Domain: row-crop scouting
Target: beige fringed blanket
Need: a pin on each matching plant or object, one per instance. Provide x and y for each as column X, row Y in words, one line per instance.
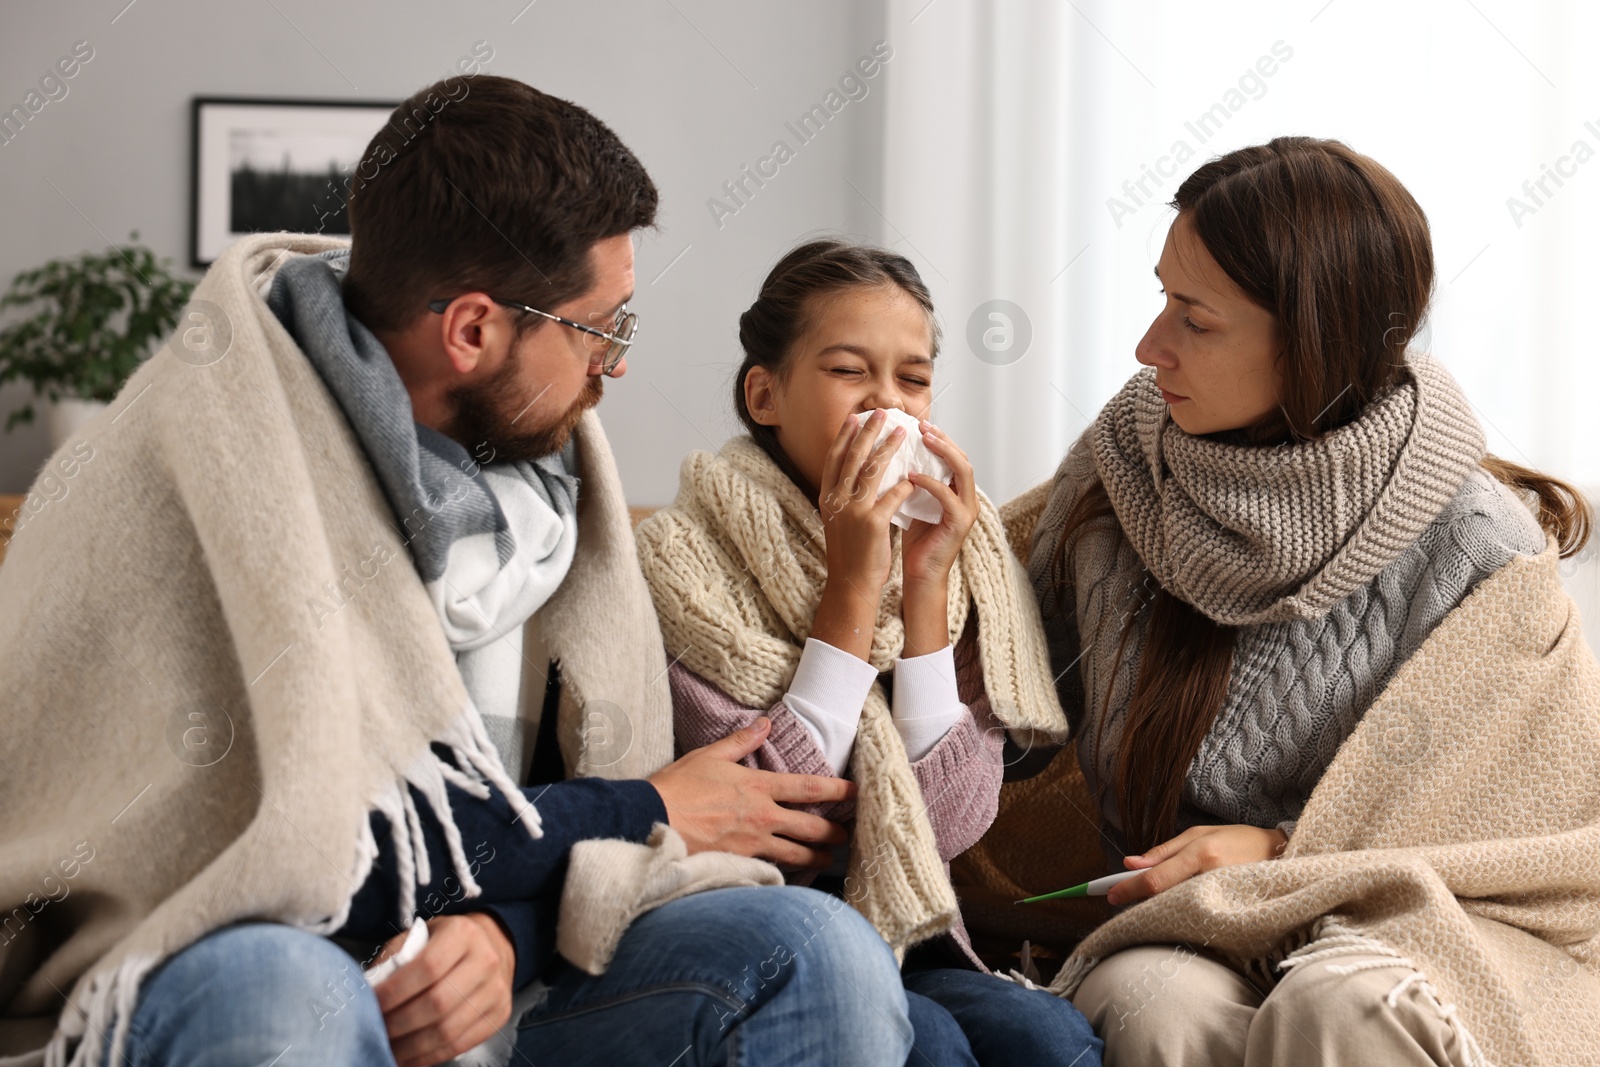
column 1459, row 826
column 186, row 739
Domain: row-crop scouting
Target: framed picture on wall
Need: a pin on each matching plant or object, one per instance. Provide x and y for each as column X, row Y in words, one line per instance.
column 262, row 165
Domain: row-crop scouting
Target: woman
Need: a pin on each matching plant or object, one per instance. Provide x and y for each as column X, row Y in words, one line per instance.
column 896, row 658
column 1234, row 562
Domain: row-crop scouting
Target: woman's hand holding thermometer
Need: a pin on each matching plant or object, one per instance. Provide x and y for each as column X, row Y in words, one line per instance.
column 1195, row 851
column 1097, row 888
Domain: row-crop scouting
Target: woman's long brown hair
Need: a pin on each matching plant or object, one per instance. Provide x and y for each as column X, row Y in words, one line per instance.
column 1335, row 247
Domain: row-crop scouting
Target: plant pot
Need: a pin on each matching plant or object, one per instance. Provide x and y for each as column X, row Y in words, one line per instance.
column 67, row 415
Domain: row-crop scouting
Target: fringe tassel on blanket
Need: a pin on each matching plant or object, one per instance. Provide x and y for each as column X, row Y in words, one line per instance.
column 470, row 745
column 111, row 997
column 1334, row 940
column 107, row 1004
column 1026, row 974
column 470, row 742
column 1071, row 975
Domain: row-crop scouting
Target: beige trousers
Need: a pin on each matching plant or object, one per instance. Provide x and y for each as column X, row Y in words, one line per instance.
column 1166, row 1005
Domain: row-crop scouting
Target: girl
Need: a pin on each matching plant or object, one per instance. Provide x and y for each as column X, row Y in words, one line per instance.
column 1234, row 561
column 900, row 659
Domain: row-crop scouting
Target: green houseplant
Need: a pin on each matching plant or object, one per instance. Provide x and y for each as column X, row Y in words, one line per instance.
column 86, row 323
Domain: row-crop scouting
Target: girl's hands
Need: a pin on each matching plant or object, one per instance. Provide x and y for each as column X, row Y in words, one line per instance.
column 1195, row 851
column 854, row 519
column 928, row 550
column 855, row 523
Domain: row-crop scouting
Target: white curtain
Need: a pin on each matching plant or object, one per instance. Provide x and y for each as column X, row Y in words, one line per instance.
column 1031, row 146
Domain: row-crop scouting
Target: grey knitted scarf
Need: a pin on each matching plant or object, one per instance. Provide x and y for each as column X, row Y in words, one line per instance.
column 1254, row 535
column 491, row 542
column 1336, row 559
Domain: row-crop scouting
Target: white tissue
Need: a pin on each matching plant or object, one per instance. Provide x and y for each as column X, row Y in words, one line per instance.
column 912, row 456
column 416, row 937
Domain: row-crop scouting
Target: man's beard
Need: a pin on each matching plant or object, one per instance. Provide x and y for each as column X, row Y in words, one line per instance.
column 491, row 418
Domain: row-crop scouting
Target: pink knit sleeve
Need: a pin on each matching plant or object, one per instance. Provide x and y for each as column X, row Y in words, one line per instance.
column 960, row 778
column 702, row 713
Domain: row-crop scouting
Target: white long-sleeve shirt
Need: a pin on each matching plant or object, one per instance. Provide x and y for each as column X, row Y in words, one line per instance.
column 830, row 685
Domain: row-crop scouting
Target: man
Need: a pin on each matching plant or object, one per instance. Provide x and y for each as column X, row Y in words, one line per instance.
column 341, row 624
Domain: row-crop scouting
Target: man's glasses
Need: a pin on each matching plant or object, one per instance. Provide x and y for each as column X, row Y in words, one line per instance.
column 617, row 339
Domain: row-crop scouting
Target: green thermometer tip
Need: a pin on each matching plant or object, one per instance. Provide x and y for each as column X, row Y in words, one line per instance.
column 1059, row 894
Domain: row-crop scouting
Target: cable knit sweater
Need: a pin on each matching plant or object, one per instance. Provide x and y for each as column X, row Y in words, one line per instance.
column 1300, row 684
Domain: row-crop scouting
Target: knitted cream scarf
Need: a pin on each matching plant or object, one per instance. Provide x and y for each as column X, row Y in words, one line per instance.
column 737, row 567
column 1252, row 535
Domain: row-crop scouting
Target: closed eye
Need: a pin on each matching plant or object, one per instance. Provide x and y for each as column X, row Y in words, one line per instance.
column 1188, row 323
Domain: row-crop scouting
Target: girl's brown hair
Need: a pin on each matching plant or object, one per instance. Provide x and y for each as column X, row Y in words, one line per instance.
column 1335, row 247
column 787, row 301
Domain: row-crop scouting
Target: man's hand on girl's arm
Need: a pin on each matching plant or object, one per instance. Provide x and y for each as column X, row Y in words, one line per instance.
column 718, row 804
column 1195, row 851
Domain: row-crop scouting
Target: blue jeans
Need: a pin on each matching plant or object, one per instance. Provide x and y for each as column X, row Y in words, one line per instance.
column 256, row 993
column 744, row 977
column 775, row 975
column 965, row 1018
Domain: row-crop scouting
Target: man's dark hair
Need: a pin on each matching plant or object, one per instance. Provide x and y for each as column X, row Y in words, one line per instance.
column 485, row 184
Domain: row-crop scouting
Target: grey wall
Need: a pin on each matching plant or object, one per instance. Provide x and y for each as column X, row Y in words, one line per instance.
column 697, row 88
